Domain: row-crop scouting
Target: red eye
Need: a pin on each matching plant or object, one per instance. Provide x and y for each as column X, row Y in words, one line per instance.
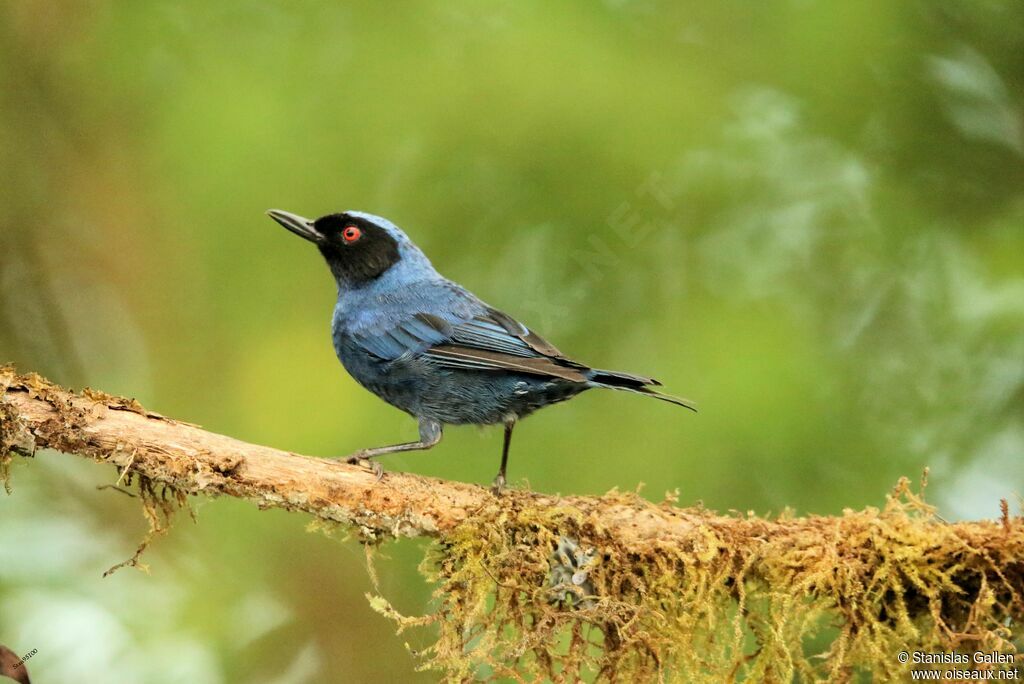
column 351, row 234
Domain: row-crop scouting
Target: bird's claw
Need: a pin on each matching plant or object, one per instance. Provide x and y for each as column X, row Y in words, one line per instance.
column 374, row 466
column 498, row 485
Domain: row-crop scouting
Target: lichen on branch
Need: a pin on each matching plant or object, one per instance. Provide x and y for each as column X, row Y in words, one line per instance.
column 532, row 586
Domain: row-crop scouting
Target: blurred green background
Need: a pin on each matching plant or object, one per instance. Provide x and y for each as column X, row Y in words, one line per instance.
column 806, row 216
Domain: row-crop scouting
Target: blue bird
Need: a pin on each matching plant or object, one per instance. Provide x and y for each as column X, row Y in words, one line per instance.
column 431, row 348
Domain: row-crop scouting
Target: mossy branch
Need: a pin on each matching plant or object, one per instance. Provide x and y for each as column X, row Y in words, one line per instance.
column 540, row 586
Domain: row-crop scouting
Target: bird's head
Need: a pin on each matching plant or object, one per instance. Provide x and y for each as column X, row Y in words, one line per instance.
column 358, row 247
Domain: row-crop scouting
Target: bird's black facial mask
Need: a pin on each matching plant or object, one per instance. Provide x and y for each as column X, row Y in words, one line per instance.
column 357, row 250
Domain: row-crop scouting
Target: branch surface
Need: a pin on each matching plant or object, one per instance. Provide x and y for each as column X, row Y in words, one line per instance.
column 35, row 413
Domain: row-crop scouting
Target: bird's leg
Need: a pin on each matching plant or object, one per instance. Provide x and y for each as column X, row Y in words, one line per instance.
column 430, row 434
column 499, row 480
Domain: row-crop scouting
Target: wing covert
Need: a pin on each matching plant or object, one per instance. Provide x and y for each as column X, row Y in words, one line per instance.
column 489, row 341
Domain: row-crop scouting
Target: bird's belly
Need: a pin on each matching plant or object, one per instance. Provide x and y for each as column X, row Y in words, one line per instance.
column 394, row 385
column 489, row 397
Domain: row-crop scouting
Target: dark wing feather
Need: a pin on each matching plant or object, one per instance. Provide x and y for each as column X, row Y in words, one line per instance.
column 471, row 358
column 410, row 337
column 490, row 341
column 534, row 341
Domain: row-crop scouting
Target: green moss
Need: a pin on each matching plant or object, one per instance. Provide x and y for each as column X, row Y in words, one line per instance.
column 806, row 598
column 159, row 504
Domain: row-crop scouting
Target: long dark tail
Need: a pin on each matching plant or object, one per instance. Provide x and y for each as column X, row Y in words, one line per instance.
column 635, row 383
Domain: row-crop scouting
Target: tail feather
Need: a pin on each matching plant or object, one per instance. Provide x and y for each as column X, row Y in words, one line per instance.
column 637, row 384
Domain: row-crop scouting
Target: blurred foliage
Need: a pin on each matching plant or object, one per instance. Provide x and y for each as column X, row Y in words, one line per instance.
column 808, row 217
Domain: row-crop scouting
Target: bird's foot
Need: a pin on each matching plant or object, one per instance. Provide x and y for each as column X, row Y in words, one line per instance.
column 374, row 466
column 498, row 485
